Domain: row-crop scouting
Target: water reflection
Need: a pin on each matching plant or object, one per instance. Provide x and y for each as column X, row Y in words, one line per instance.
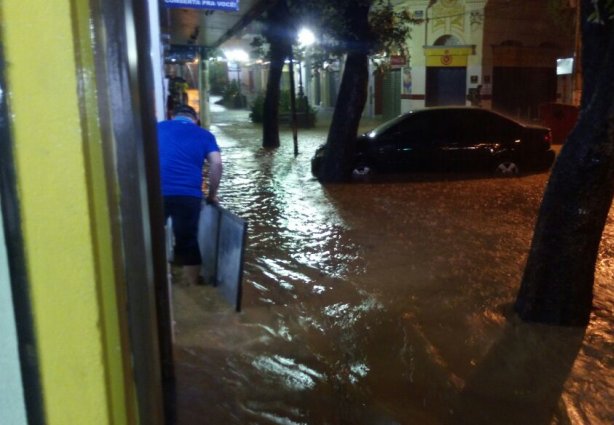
column 382, row 303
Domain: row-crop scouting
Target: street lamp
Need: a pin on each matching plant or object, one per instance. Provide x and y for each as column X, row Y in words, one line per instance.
column 305, row 39
column 237, row 56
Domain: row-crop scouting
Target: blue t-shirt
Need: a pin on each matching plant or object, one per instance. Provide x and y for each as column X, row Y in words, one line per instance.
column 183, row 147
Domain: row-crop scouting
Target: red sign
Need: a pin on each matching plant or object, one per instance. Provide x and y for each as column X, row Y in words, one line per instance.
column 398, row 60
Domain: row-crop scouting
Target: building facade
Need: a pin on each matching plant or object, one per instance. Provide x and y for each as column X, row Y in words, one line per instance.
column 499, row 54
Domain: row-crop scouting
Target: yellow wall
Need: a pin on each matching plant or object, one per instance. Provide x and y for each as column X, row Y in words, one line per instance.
column 447, row 56
column 65, row 223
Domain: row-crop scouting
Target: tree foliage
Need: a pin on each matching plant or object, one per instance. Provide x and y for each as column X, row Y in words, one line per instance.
column 603, row 10
column 388, row 30
column 392, row 28
column 386, row 34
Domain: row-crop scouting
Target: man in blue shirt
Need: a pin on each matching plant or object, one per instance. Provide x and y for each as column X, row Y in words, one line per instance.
column 183, row 148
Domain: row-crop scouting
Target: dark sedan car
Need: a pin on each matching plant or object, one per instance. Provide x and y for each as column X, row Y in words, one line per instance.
column 451, row 139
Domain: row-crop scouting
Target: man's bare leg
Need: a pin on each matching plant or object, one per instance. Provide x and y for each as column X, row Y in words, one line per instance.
column 191, row 273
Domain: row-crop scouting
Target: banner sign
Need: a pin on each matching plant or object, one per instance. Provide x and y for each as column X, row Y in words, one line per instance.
column 228, row 5
column 397, row 61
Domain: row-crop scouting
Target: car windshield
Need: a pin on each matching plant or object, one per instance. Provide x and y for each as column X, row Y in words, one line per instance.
column 385, row 126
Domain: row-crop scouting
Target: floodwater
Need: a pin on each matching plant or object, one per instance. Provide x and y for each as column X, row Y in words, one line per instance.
column 382, row 303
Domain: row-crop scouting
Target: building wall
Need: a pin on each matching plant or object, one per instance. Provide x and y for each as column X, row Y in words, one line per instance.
column 64, row 222
column 523, row 40
column 526, row 21
column 482, row 25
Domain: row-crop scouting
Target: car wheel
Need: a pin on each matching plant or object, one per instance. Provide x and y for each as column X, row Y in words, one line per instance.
column 362, row 171
column 507, row 168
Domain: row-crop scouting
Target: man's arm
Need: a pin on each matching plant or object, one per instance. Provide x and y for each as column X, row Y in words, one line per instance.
column 215, row 174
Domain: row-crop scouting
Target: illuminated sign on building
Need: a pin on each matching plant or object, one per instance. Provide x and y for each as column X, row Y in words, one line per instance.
column 564, row 66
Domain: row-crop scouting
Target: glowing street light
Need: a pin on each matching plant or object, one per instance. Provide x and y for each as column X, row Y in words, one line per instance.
column 306, row 37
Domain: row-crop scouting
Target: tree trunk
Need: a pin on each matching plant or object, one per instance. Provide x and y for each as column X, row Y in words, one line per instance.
column 270, row 112
column 341, row 142
column 279, row 37
column 557, row 286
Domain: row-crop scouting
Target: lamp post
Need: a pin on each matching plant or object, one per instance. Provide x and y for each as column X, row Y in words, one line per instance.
column 305, row 39
column 300, row 78
column 236, row 57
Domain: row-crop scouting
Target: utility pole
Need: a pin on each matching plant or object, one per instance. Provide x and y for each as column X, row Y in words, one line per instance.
column 293, row 104
column 577, row 60
column 203, row 88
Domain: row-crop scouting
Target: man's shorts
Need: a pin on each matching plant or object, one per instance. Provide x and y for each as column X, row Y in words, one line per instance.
column 185, row 213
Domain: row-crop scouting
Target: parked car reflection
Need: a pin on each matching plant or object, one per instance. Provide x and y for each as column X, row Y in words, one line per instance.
column 454, row 138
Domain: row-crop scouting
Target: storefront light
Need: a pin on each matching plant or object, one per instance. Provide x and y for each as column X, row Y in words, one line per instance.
column 236, row 55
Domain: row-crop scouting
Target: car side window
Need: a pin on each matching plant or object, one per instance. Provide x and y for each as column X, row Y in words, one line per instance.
column 468, row 126
column 412, row 130
column 491, row 127
column 440, row 127
column 451, row 128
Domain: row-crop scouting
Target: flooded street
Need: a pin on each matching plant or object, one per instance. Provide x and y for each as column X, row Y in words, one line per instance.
column 382, row 303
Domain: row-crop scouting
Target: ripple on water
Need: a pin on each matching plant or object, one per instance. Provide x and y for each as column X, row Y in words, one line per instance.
column 288, row 372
